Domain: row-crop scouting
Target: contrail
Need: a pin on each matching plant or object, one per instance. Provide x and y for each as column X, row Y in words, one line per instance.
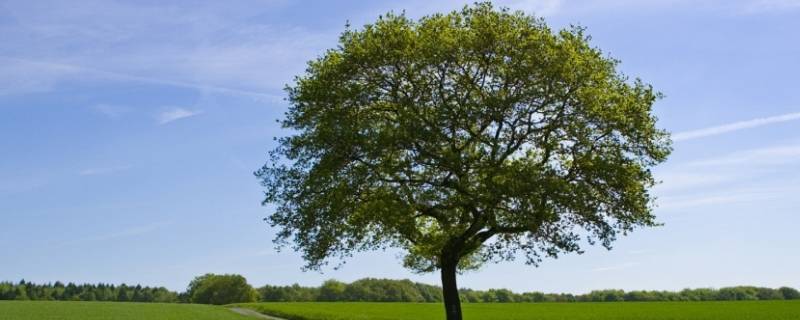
column 129, row 77
column 736, row 126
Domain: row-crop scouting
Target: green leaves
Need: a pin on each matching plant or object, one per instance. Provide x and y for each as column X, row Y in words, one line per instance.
column 221, row 289
column 477, row 134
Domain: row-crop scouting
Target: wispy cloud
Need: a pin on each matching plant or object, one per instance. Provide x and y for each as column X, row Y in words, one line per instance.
column 19, row 76
column 206, row 46
column 103, row 171
column 756, row 157
column 111, row 111
column 721, row 200
column 736, row 126
column 672, row 203
column 175, row 114
column 689, row 178
column 132, row 231
column 42, row 75
column 760, row 6
column 759, row 175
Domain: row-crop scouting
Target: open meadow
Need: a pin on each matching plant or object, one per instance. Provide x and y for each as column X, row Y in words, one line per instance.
column 723, row 310
column 78, row 310
column 727, row 310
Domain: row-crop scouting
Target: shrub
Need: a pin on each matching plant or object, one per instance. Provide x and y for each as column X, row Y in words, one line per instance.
column 221, row 289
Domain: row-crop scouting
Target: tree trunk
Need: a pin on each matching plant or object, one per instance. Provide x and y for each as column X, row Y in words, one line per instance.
column 452, row 303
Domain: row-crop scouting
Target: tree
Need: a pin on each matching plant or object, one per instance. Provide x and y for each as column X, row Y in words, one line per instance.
column 331, row 290
column 462, row 138
column 137, row 294
column 769, row 294
column 20, row 293
column 122, row 293
column 504, row 295
column 789, row 293
column 221, row 289
column 6, row 291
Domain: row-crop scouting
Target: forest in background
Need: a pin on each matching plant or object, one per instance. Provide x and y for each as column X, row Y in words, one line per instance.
column 378, row 290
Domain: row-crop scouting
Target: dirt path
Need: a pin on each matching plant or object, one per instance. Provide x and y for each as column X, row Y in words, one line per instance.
column 252, row 313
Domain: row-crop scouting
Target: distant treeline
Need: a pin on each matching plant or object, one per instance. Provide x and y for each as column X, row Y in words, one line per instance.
column 84, row 292
column 383, row 290
column 380, row 290
column 377, row 290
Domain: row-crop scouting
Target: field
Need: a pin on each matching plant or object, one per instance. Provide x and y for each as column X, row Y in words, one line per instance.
column 755, row 310
column 60, row 310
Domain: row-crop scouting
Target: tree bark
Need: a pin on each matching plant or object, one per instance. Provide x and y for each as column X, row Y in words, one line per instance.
column 452, row 302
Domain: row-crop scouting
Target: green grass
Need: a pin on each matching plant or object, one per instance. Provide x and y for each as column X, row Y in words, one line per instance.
column 741, row 310
column 68, row 310
column 747, row 310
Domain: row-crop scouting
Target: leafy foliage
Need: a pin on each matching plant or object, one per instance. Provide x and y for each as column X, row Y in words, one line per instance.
column 387, row 290
column 25, row 290
column 221, row 289
column 381, row 290
column 464, row 137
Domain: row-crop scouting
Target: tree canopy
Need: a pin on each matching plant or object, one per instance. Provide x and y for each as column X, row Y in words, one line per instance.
column 221, row 289
column 381, row 290
column 26, row 290
column 473, row 136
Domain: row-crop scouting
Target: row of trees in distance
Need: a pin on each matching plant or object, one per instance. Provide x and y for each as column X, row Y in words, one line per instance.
column 384, row 290
column 24, row 290
column 225, row 289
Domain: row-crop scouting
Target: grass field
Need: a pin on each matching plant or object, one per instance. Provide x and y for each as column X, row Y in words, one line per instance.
column 755, row 310
column 744, row 310
column 61, row 310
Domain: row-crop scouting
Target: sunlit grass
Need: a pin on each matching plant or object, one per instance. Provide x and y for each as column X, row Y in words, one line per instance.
column 723, row 310
column 69, row 310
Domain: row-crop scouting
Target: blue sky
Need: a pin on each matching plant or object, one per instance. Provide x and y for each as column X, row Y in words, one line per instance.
column 129, row 132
